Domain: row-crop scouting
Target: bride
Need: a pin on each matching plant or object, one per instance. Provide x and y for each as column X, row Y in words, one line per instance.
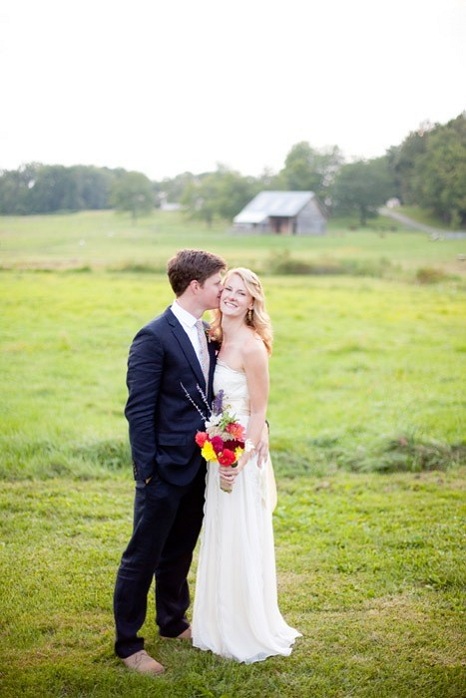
column 236, row 612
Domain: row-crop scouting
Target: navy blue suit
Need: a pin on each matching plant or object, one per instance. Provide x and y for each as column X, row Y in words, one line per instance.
column 170, row 479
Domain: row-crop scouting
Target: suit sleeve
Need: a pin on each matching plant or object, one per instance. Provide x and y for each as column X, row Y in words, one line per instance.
column 145, row 364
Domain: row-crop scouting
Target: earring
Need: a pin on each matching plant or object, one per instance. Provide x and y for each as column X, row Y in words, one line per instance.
column 250, row 312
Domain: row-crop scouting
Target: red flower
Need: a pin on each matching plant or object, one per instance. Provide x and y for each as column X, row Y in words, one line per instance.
column 226, row 457
column 231, row 444
column 217, row 443
column 200, row 438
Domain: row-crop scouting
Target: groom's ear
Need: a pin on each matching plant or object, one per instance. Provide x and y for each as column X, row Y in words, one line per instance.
column 194, row 285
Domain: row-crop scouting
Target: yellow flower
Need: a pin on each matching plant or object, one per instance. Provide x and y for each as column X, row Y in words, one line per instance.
column 238, row 452
column 208, row 451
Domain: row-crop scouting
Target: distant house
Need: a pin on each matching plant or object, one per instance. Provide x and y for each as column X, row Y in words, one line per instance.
column 283, row 212
column 166, row 205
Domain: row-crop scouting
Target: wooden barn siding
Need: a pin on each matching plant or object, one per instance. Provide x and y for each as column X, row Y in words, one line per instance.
column 310, row 220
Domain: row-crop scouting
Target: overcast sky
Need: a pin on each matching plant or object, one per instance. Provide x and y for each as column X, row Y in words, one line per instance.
column 167, row 86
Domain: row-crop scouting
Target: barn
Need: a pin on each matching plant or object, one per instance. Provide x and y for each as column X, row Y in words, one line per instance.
column 283, row 213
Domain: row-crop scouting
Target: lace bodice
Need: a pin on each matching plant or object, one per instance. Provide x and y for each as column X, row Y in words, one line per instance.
column 235, row 387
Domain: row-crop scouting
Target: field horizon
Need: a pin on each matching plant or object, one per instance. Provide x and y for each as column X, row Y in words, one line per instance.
column 105, row 240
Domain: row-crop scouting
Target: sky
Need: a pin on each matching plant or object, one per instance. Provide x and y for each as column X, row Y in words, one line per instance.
column 169, row 86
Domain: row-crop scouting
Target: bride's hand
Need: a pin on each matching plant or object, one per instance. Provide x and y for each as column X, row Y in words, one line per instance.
column 230, row 473
column 262, row 448
column 240, row 465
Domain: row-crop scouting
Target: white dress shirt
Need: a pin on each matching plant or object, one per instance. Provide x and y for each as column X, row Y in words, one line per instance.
column 188, row 323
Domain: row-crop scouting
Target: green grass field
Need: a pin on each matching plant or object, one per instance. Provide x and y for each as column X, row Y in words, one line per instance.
column 367, row 416
column 369, row 569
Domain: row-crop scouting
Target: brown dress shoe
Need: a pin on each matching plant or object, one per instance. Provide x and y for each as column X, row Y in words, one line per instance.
column 185, row 635
column 143, row 663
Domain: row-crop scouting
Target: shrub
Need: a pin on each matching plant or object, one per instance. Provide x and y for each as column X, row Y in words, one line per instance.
column 283, row 264
column 430, row 275
column 406, row 453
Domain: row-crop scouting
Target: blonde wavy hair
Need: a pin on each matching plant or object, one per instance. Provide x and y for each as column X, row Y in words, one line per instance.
column 257, row 318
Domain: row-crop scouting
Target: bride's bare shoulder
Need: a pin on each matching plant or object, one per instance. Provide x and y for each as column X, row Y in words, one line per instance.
column 253, row 345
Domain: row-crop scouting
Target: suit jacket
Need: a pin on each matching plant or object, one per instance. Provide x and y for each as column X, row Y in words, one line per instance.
column 163, row 422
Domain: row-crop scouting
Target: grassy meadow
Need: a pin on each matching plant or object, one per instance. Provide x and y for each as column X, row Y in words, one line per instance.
column 367, row 414
column 93, row 240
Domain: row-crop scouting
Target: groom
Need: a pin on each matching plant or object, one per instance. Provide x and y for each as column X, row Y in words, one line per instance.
column 166, row 358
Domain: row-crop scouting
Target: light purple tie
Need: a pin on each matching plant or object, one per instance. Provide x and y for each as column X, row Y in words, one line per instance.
column 203, row 350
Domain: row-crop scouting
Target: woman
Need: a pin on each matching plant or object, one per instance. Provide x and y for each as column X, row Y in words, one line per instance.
column 236, row 612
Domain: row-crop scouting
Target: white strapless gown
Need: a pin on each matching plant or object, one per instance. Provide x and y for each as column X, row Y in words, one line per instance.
column 236, row 612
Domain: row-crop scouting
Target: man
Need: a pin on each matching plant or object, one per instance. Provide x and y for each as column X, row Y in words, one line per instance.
column 165, row 376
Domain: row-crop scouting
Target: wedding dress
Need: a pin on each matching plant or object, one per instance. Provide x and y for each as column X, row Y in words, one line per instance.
column 235, row 613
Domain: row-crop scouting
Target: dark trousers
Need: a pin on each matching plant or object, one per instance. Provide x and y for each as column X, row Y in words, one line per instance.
column 167, row 522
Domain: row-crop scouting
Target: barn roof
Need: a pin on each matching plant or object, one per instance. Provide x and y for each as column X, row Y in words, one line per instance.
column 273, row 203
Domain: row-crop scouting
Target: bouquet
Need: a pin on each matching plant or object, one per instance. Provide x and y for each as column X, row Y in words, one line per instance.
column 224, row 437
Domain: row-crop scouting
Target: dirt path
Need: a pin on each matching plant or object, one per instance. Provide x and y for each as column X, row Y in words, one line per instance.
column 410, row 223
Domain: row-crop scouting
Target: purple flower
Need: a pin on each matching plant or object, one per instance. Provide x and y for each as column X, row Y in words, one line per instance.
column 217, row 403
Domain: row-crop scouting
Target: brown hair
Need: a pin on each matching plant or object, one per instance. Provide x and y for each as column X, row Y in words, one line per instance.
column 257, row 318
column 188, row 265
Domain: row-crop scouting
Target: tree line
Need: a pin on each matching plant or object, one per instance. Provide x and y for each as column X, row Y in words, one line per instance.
column 427, row 169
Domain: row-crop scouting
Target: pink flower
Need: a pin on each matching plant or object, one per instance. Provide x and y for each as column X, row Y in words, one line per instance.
column 200, row 438
column 236, row 430
column 217, row 443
